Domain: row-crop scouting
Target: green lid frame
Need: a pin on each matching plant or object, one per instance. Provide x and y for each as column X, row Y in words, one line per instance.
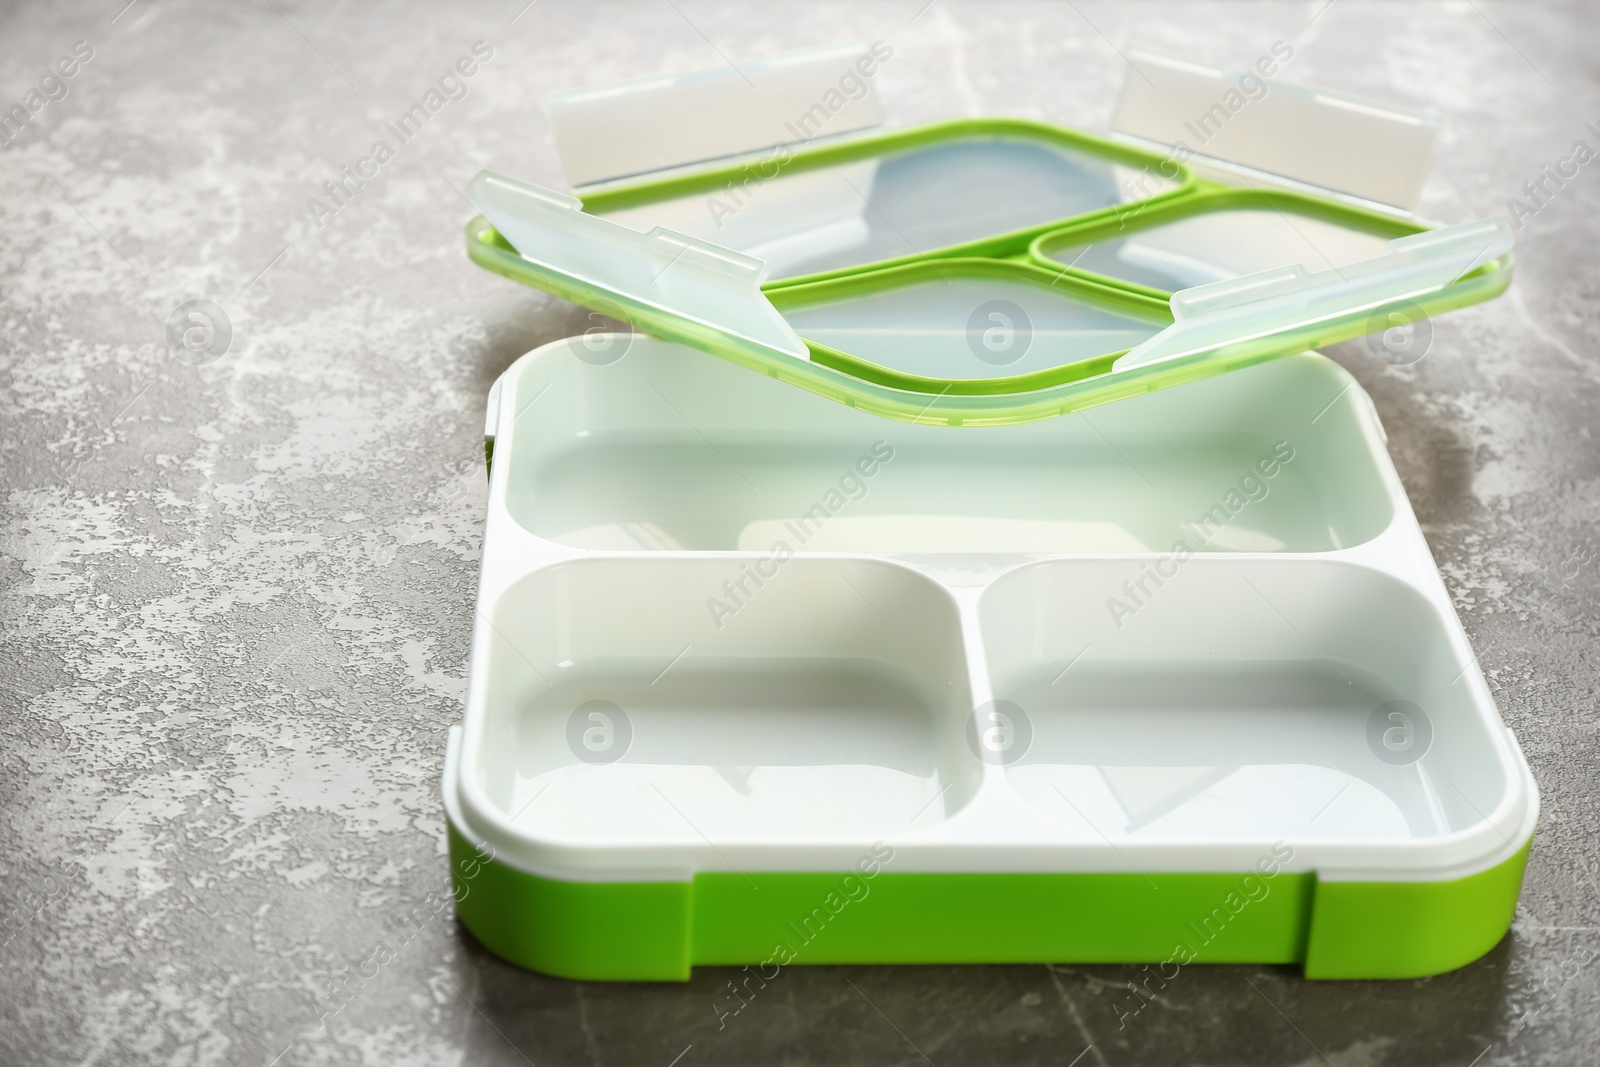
column 1223, row 329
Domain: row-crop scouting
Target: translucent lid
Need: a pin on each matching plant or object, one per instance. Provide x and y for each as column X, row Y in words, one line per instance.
column 1216, row 243
column 766, row 158
column 973, row 327
column 667, row 283
column 604, row 133
column 1257, row 308
column 1249, row 121
column 903, row 201
column 946, row 324
column 933, row 325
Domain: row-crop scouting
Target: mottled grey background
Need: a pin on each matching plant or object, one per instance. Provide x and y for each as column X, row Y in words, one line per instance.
column 235, row 599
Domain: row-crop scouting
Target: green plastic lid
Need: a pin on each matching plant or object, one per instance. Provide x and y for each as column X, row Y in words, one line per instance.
column 963, row 339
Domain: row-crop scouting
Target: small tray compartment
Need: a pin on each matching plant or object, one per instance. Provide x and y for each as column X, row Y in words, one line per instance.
column 1219, row 234
column 667, row 450
column 1209, row 700
column 750, row 699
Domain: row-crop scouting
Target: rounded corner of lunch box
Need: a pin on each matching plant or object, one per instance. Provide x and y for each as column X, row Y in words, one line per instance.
column 582, row 931
column 1411, row 929
column 579, row 929
column 1432, row 919
column 480, row 834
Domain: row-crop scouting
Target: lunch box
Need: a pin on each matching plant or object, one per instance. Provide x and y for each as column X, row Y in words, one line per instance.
column 969, row 560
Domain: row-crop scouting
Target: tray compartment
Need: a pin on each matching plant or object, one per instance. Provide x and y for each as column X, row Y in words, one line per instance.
column 667, row 449
column 1221, row 235
column 1235, row 702
column 829, row 704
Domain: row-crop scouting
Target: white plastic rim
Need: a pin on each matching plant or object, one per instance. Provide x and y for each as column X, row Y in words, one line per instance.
column 845, row 690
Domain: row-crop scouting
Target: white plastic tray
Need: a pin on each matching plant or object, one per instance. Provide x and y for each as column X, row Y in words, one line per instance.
column 781, row 709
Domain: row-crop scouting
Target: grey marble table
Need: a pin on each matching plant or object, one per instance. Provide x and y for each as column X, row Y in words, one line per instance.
column 235, row 598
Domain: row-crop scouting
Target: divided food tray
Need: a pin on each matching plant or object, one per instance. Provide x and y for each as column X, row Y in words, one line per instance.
column 1071, row 690
column 887, row 636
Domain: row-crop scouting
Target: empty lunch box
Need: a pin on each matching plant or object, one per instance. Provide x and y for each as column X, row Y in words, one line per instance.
column 912, row 646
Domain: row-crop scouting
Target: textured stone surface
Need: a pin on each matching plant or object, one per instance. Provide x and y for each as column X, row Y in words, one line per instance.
column 235, row 599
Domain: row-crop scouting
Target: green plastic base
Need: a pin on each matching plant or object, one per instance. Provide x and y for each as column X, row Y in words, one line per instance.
column 657, row 931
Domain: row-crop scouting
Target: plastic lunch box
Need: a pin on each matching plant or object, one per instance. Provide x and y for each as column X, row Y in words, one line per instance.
column 895, row 651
